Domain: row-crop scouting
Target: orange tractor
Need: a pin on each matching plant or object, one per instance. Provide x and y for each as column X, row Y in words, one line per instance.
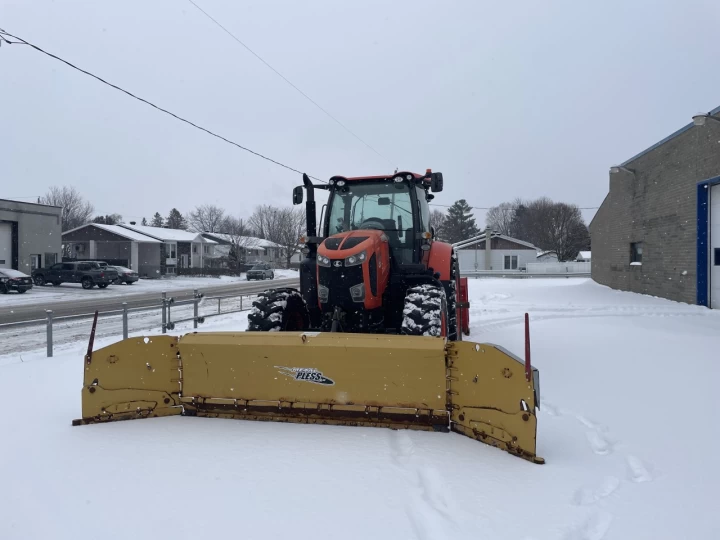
column 376, row 266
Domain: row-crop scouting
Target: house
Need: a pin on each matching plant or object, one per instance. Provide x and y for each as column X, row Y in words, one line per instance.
column 115, row 245
column 501, row 252
column 583, row 256
column 546, row 256
column 178, row 248
column 30, row 235
column 254, row 249
column 150, row 251
column 658, row 230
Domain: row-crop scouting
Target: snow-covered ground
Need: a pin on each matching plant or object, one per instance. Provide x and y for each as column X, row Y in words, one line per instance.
column 626, row 380
column 71, row 291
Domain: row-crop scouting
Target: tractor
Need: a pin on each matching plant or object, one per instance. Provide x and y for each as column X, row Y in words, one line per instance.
column 376, row 266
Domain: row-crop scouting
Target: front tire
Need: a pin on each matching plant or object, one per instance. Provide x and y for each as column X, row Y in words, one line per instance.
column 102, row 285
column 3, row 289
column 87, row 283
column 425, row 312
column 279, row 310
column 39, row 280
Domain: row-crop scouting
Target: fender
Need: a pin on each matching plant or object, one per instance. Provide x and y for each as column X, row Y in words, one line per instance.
column 440, row 259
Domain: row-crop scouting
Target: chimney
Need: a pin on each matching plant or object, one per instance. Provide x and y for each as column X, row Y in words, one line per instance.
column 488, row 248
column 132, row 223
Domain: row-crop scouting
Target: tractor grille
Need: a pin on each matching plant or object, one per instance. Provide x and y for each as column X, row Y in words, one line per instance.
column 339, row 280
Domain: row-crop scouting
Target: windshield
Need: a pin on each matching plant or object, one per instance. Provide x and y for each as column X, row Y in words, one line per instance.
column 258, row 267
column 377, row 205
column 7, row 272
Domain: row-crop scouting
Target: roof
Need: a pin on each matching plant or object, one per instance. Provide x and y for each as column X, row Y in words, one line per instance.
column 32, row 203
column 250, row 242
column 381, row 177
column 120, row 231
column 585, row 254
column 680, row 131
column 543, row 253
column 481, row 238
column 167, row 235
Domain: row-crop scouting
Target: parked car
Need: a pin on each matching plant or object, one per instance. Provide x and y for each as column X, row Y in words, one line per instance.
column 125, row 275
column 13, row 280
column 88, row 274
column 261, row 271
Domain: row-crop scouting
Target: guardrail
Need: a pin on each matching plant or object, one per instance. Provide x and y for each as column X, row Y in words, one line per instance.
column 165, row 305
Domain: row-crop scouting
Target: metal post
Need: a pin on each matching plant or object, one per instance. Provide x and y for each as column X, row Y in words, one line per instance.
column 241, row 302
column 218, row 306
column 49, row 333
column 528, row 365
column 164, row 314
column 125, row 320
column 195, row 308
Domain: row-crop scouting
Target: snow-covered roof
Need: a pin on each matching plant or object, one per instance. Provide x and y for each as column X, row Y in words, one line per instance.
column 543, row 253
column 167, row 235
column 120, row 231
column 481, row 238
column 585, row 254
column 250, row 242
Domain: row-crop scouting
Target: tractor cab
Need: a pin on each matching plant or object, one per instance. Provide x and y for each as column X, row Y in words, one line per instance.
column 397, row 206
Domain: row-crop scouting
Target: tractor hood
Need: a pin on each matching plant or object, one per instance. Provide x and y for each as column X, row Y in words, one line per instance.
column 341, row 245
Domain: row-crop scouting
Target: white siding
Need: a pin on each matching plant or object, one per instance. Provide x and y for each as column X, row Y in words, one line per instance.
column 472, row 260
column 5, row 245
column 714, row 244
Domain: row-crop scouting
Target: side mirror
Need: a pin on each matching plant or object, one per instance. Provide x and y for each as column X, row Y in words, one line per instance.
column 432, row 231
column 436, row 182
column 298, row 195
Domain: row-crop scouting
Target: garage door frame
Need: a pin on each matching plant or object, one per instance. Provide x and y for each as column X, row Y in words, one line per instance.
column 703, row 240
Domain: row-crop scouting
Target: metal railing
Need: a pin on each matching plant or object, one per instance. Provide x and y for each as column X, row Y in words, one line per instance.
column 165, row 306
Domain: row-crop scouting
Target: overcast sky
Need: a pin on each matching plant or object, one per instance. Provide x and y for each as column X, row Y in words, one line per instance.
column 507, row 99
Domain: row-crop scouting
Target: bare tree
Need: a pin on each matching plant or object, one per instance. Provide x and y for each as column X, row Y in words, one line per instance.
column 76, row 210
column 557, row 227
column 240, row 237
column 283, row 226
column 500, row 218
column 437, row 220
column 112, row 219
column 206, row 218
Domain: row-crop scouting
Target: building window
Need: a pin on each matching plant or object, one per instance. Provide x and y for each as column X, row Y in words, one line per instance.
column 636, row 252
column 717, row 256
column 171, row 248
column 206, row 249
column 511, row 262
column 194, row 248
column 170, row 270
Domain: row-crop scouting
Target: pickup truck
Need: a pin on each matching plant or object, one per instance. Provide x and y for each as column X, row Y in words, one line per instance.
column 88, row 274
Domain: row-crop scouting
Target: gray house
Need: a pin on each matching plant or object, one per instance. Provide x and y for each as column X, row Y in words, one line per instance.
column 30, row 235
column 658, row 230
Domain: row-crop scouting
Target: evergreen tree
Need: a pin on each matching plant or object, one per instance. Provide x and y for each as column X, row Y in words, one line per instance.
column 144, row 222
column 175, row 220
column 459, row 223
column 157, row 220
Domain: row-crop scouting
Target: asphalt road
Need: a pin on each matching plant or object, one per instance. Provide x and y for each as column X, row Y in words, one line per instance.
column 29, row 312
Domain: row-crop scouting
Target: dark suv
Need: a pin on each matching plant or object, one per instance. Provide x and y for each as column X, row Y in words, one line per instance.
column 87, row 273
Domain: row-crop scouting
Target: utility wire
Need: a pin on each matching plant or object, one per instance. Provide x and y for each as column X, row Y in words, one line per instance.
column 338, row 122
column 489, row 207
column 24, row 42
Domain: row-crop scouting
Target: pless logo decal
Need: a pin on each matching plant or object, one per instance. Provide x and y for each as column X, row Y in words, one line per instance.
column 338, row 263
column 310, row 375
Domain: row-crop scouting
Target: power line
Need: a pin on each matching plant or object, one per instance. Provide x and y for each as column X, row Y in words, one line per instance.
column 24, row 42
column 338, row 122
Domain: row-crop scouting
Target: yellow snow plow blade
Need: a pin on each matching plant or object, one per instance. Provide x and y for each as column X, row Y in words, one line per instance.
column 390, row 381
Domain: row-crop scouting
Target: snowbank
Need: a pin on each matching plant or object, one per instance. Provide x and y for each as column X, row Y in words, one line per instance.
column 625, row 379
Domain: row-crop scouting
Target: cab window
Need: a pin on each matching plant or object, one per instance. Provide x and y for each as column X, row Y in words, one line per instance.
column 380, row 205
column 424, row 209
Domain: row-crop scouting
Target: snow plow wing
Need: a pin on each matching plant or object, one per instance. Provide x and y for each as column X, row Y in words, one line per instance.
column 390, row 381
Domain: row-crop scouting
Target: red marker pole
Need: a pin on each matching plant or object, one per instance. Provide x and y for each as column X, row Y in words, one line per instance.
column 528, row 367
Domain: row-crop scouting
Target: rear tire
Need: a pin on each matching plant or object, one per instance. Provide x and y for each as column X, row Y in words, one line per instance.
column 454, row 331
column 102, row 285
column 56, row 283
column 22, row 291
column 425, row 312
column 39, row 280
column 3, row 289
column 279, row 310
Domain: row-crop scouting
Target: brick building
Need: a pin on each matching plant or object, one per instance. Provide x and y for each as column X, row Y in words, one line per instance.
column 658, row 230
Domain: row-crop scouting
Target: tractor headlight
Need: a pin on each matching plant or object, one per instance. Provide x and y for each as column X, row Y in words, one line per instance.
column 357, row 292
column 323, row 261
column 354, row 260
column 323, row 293
column 340, row 183
column 398, row 179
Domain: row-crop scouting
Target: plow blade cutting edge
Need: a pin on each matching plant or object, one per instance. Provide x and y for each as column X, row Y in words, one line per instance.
column 400, row 382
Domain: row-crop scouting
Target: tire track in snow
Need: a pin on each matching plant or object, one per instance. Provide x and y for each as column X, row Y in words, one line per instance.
column 429, row 507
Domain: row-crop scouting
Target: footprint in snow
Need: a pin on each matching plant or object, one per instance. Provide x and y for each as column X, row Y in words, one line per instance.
column 593, row 528
column 402, row 446
column 638, row 470
column 599, row 444
column 585, row 496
